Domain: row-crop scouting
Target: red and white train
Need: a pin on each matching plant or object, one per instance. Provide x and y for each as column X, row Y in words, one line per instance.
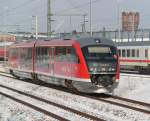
column 135, row 56
column 87, row 65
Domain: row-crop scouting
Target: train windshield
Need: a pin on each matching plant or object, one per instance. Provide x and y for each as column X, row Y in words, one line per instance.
column 103, row 53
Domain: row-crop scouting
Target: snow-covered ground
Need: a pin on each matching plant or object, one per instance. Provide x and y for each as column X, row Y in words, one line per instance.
column 133, row 87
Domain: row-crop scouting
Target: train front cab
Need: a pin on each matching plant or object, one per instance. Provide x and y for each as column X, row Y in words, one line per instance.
column 103, row 68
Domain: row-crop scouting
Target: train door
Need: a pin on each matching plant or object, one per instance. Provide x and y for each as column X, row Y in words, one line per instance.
column 51, row 63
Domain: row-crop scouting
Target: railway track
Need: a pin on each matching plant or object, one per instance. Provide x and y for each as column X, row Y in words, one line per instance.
column 124, row 102
column 114, row 100
column 40, row 109
column 34, row 107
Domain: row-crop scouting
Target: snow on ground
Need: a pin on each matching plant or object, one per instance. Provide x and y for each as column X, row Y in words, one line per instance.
column 9, row 110
column 12, row 111
column 133, row 86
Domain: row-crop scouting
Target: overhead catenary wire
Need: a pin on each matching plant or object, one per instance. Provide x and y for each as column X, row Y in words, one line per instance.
column 77, row 6
column 17, row 7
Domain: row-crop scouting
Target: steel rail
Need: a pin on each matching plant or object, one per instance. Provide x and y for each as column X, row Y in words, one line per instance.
column 35, row 107
column 119, row 104
column 104, row 100
column 88, row 116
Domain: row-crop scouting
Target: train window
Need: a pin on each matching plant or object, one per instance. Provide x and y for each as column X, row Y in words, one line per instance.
column 42, row 56
column 119, row 52
column 13, row 52
column 146, row 53
column 128, row 53
column 99, row 50
column 123, row 53
column 133, row 53
column 137, row 54
column 74, row 57
column 23, row 53
column 60, row 54
column 64, row 54
column 38, row 53
column 29, row 53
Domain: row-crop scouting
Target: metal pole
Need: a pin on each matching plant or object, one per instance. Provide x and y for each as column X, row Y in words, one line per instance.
column 49, row 19
column 70, row 25
column 36, row 26
column 32, row 26
column 84, row 29
column 133, row 26
column 91, row 18
column 5, row 53
column 119, row 31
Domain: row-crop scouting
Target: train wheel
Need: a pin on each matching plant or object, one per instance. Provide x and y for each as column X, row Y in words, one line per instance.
column 12, row 73
column 34, row 76
column 69, row 85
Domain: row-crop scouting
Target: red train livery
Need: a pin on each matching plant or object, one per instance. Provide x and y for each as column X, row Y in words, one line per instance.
column 87, row 65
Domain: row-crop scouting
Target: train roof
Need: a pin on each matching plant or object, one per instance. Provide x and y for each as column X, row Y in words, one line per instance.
column 67, row 42
column 95, row 40
column 134, row 43
column 23, row 44
column 55, row 43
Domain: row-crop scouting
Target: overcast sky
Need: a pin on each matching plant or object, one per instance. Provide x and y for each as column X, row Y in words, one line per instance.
column 104, row 13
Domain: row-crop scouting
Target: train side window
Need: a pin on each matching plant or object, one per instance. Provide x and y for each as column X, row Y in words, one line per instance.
column 29, row 53
column 23, row 53
column 44, row 56
column 146, row 53
column 61, row 54
column 133, row 53
column 119, row 52
column 13, row 52
column 74, row 56
column 38, row 56
column 128, row 53
column 68, row 54
column 137, row 54
column 123, row 53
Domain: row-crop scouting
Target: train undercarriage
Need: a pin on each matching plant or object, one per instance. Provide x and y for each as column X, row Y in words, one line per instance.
column 97, row 84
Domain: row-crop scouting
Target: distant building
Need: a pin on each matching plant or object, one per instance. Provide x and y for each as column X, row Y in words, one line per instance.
column 130, row 21
column 8, row 38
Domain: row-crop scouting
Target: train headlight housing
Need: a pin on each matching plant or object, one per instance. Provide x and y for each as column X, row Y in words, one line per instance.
column 91, row 69
column 111, row 69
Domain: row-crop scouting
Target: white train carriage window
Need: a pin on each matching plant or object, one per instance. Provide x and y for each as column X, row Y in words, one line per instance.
column 133, row 53
column 119, row 52
column 128, row 53
column 123, row 53
column 146, row 53
column 137, row 53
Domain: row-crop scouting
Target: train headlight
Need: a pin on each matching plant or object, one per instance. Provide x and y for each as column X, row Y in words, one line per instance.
column 103, row 69
column 91, row 69
column 111, row 69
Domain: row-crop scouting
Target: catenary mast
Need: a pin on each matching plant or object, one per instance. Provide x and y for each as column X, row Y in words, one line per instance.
column 49, row 15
